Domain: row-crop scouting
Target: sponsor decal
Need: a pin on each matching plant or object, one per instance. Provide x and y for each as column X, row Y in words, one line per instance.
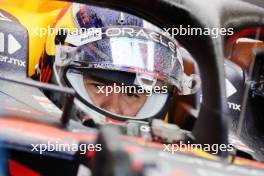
column 12, row 46
column 234, row 106
column 230, row 91
column 81, row 37
column 230, row 88
column 12, row 61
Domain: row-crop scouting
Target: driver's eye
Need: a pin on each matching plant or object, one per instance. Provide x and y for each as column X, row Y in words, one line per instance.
column 96, row 85
column 132, row 95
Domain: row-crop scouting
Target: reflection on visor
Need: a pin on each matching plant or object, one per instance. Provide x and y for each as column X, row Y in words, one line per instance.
column 132, row 50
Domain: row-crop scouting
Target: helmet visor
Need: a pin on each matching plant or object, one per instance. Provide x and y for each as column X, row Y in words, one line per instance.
column 129, row 49
column 153, row 59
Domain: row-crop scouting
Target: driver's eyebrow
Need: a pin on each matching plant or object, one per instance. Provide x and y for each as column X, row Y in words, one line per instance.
column 100, row 80
column 97, row 79
column 104, row 81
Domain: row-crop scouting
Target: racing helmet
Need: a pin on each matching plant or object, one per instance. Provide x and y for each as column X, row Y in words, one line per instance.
column 115, row 49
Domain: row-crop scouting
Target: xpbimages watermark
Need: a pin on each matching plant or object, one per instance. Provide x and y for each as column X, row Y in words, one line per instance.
column 191, row 31
column 179, row 31
column 124, row 89
column 183, row 147
column 65, row 147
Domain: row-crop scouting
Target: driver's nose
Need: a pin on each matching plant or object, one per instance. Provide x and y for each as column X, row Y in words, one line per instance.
column 111, row 103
